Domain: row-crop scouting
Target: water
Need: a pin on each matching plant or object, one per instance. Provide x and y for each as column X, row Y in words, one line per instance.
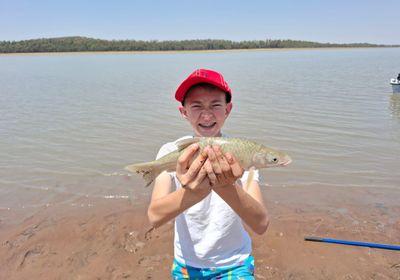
column 70, row 123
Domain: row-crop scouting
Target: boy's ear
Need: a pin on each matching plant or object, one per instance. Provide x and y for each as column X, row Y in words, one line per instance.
column 183, row 112
column 228, row 108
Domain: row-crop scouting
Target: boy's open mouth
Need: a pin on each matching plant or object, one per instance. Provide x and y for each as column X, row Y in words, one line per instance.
column 207, row 126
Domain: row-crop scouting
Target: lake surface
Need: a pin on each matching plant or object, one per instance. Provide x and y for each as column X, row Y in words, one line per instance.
column 70, row 123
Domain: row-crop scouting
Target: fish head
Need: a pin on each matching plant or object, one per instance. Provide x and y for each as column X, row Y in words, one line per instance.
column 270, row 158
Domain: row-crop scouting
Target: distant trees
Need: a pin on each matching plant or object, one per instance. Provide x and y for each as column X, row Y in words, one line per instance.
column 83, row 44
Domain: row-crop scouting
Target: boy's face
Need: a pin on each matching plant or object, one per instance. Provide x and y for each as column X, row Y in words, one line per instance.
column 206, row 110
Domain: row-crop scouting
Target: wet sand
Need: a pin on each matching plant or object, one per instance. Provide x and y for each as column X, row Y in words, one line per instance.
column 111, row 239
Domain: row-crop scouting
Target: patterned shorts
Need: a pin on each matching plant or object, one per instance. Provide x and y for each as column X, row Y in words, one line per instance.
column 244, row 271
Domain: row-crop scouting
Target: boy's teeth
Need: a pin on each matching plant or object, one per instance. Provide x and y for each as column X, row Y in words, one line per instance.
column 207, row 125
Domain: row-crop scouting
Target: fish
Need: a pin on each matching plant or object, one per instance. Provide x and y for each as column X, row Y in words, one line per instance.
column 250, row 154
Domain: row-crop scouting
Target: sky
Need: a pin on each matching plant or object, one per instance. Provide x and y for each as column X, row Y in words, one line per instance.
column 335, row 21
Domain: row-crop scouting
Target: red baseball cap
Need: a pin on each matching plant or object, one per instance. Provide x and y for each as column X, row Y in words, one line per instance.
column 202, row 76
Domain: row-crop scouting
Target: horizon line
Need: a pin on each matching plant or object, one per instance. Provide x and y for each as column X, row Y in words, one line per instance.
column 198, row 39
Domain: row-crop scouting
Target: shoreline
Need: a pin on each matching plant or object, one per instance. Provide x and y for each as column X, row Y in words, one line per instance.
column 111, row 240
column 184, row 51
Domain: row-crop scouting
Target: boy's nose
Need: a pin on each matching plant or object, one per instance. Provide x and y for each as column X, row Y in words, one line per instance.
column 206, row 114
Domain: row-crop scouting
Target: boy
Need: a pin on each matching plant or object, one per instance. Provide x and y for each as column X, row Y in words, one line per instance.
column 208, row 201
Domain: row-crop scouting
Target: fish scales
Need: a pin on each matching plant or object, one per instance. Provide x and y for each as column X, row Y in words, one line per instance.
column 247, row 152
column 242, row 149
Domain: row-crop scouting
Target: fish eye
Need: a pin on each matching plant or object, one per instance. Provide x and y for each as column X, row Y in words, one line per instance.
column 272, row 158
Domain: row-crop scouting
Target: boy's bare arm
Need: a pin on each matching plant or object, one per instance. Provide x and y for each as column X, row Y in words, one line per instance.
column 246, row 202
column 166, row 204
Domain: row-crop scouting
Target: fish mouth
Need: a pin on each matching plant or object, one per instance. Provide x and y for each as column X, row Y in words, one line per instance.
column 286, row 160
column 286, row 163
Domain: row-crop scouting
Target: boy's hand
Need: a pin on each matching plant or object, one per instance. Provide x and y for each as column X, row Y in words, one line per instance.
column 225, row 168
column 193, row 176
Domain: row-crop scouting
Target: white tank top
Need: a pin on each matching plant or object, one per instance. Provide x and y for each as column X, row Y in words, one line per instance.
column 209, row 234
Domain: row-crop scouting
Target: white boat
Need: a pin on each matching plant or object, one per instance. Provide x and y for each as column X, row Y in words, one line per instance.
column 395, row 85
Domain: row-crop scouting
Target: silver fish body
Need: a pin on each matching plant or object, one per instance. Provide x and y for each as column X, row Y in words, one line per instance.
column 248, row 153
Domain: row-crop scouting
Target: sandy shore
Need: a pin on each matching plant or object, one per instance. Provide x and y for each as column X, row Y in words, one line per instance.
column 111, row 240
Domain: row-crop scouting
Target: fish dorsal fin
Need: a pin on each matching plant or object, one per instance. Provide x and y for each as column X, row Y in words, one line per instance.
column 182, row 144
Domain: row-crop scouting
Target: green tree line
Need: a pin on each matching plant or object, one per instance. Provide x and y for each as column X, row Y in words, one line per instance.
column 84, row 44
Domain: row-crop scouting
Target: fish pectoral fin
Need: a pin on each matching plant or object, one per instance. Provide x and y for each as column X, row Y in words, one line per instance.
column 250, row 177
column 184, row 143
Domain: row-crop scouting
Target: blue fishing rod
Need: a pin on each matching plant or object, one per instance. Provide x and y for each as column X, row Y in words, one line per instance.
column 353, row 243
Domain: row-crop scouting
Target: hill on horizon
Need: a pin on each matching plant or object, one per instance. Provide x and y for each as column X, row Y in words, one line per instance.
column 85, row 44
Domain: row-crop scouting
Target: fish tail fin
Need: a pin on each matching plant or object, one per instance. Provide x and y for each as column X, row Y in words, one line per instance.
column 149, row 171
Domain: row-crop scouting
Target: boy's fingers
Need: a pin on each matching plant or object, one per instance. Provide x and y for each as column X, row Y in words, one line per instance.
column 185, row 157
column 210, row 173
column 222, row 162
column 236, row 169
column 212, row 155
column 196, row 165
column 201, row 175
